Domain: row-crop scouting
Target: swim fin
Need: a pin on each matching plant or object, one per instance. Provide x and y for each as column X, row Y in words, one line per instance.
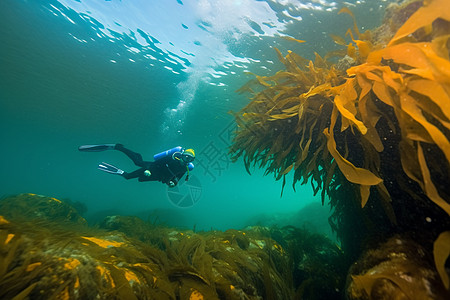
column 97, row 148
column 110, row 169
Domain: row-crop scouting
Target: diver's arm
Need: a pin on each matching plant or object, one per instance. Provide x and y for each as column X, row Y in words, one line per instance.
column 172, row 182
column 175, row 179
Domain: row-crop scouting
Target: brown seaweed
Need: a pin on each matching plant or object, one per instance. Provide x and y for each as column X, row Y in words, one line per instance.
column 441, row 254
column 422, row 77
column 332, row 128
column 46, row 259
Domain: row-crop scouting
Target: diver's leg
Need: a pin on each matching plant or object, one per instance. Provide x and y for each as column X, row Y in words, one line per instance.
column 134, row 174
column 105, row 167
column 142, row 174
column 96, row 148
column 135, row 157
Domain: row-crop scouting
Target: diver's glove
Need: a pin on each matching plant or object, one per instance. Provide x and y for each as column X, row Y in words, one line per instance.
column 147, row 173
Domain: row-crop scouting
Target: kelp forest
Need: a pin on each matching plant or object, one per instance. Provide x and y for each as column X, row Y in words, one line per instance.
column 368, row 127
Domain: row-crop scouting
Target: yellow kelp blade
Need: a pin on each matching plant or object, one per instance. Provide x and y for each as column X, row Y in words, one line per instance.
column 281, row 116
column 365, row 85
column 351, row 51
column 315, row 90
column 428, row 185
column 289, row 38
column 348, row 115
column 425, row 61
column 287, row 170
column 346, row 10
column 408, row 106
column 382, row 92
column 441, row 251
column 434, row 91
column 345, row 100
column 410, row 54
column 440, row 65
column 352, row 173
column 280, row 56
column 430, row 11
column 364, row 47
column 365, row 193
column 337, row 39
column 440, row 46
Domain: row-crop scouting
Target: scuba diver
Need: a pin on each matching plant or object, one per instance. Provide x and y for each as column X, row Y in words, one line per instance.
column 169, row 166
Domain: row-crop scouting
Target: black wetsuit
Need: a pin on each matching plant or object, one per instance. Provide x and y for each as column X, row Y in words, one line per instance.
column 165, row 169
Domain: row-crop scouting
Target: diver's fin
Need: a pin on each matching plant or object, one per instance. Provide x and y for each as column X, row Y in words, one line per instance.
column 110, row 169
column 97, row 148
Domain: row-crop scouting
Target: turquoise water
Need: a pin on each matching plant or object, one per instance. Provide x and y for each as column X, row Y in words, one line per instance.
column 151, row 75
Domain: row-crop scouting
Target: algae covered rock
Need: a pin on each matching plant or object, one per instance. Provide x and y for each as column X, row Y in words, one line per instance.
column 32, row 206
column 51, row 262
column 132, row 259
column 398, row 269
column 52, row 258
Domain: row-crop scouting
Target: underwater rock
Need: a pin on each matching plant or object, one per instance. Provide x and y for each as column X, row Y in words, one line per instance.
column 395, row 16
column 313, row 217
column 32, row 206
column 345, row 63
column 139, row 229
column 79, row 206
column 49, row 261
column 318, row 264
column 126, row 224
column 397, row 269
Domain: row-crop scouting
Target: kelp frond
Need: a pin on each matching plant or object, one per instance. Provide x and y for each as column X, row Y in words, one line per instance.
column 281, row 128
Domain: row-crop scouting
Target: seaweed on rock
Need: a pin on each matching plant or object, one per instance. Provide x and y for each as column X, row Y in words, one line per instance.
column 44, row 259
column 397, row 269
column 31, row 206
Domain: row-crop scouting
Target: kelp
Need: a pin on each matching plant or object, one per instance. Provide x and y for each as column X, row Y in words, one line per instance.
column 332, row 127
column 43, row 259
column 422, row 75
column 15, row 280
column 423, row 18
column 302, row 94
column 283, row 102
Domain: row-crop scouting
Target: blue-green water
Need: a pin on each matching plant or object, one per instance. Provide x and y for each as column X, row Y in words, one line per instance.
column 150, row 75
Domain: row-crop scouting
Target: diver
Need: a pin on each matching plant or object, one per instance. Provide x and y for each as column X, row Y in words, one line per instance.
column 169, row 166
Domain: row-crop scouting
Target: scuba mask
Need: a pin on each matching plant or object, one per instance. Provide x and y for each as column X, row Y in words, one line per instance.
column 188, row 155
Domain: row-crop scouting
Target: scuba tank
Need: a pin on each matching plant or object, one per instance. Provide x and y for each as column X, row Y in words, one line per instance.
column 170, row 152
column 167, row 153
